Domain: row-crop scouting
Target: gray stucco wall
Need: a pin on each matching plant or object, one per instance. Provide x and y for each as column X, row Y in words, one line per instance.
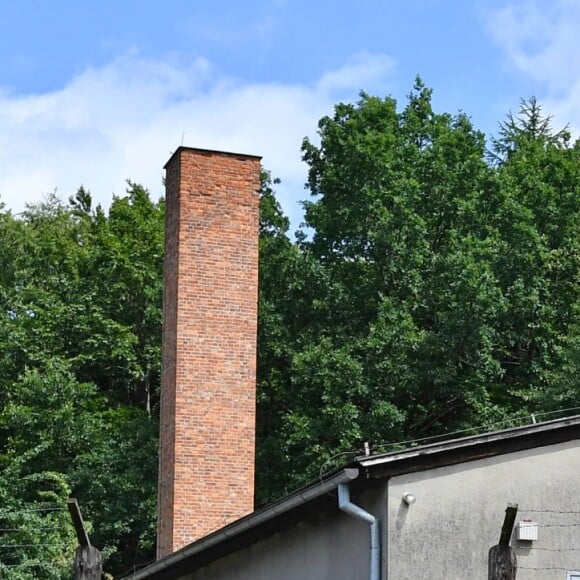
column 459, row 511
column 330, row 546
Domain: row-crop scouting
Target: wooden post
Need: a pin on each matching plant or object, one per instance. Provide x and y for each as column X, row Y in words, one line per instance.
column 88, row 563
column 78, row 523
column 502, row 561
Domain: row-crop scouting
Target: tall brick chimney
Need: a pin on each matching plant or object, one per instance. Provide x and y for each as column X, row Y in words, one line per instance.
column 207, row 431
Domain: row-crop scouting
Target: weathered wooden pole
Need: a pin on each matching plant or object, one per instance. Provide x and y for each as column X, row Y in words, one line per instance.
column 502, row 561
column 88, row 562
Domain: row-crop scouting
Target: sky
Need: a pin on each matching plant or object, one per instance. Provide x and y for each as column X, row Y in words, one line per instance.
column 94, row 93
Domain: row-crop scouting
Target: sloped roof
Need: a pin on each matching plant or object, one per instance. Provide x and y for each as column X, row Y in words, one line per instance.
column 361, row 472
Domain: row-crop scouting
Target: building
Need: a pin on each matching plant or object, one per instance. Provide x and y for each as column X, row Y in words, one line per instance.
column 439, row 510
column 432, row 511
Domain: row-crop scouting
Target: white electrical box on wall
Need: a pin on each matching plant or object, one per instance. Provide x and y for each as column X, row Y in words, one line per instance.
column 527, row 530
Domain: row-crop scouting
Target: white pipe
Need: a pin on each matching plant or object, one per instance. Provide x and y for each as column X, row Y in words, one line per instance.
column 356, row 511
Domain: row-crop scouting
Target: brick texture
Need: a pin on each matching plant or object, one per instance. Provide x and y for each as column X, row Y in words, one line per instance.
column 207, row 437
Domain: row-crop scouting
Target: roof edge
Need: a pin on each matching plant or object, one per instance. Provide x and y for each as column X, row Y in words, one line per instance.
column 246, row 523
column 534, row 434
column 419, row 458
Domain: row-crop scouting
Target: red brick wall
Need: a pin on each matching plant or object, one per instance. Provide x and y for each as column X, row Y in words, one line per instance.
column 206, row 464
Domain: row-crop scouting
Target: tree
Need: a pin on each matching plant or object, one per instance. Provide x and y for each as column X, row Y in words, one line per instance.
column 438, row 290
column 80, row 334
column 537, row 217
column 399, row 225
column 37, row 540
column 121, row 289
column 41, row 429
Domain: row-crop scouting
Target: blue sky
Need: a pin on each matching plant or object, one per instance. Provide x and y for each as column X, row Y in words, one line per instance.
column 97, row 92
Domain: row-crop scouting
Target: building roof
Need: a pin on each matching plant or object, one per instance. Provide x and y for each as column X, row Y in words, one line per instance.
column 361, row 472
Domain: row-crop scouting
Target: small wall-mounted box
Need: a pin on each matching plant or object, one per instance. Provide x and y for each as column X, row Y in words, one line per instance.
column 527, row 530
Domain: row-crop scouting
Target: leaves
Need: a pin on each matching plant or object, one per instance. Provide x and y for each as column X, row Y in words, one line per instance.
column 80, row 332
column 438, row 291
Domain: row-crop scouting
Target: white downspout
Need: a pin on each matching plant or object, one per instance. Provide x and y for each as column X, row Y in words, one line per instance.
column 356, row 511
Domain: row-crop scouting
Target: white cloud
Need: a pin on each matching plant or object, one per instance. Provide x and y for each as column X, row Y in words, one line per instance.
column 124, row 120
column 363, row 70
column 541, row 40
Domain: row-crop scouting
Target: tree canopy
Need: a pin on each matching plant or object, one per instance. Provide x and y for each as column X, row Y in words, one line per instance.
column 80, row 326
column 438, row 290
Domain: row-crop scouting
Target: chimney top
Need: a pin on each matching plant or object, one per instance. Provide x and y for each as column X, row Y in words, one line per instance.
column 210, row 152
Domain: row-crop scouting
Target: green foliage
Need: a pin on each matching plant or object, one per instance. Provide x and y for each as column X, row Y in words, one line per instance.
column 41, row 427
column 80, row 332
column 116, row 478
column 539, row 268
column 37, row 541
column 438, row 290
